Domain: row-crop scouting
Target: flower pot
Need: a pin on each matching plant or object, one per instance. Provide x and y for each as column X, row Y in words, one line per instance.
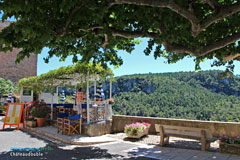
column 31, row 123
column 229, row 148
column 145, row 132
column 40, row 122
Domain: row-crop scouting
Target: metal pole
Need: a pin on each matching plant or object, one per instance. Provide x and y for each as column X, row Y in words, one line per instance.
column 52, row 108
column 57, row 93
column 110, row 92
column 32, row 94
column 88, row 116
column 95, row 90
column 21, row 93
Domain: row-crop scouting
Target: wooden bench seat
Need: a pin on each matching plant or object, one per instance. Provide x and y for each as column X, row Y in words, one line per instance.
column 201, row 134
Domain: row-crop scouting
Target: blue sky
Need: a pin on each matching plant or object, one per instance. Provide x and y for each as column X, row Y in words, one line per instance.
column 136, row 62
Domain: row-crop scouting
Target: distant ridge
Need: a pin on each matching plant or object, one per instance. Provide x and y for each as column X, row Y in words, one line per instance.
column 189, row 95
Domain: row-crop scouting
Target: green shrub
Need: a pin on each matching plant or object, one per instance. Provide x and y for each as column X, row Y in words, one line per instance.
column 6, row 86
column 3, row 107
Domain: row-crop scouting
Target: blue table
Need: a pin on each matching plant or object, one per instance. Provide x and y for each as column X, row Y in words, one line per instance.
column 65, row 105
column 69, row 105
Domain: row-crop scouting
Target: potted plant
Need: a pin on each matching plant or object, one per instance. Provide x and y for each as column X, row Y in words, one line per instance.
column 137, row 130
column 229, row 144
column 31, row 122
column 39, row 110
column 29, row 106
column 110, row 101
column 2, row 108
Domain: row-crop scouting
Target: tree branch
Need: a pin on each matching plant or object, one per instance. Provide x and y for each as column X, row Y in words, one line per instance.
column 79, row 38
column 180, row 48
column 69, row 19
column 231, row 56
column 168, row 4
column 105, row 41
column 213, row 3
column 132, row 34
column 224, row 12
column 197, row 27
column 90, row 28
column 219, row 44
column 206, row 49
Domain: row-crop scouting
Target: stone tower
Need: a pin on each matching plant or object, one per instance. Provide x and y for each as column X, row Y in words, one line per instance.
column 9, row 70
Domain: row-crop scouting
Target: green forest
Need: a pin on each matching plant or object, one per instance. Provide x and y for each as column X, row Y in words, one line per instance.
column 184, row 95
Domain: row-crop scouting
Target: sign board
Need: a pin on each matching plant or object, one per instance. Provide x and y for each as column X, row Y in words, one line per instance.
column 14, row 114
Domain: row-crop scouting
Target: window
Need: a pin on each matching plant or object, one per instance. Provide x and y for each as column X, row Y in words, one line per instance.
column 27, row 91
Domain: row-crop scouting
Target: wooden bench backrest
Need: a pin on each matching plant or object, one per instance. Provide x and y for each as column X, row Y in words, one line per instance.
column 186, row 131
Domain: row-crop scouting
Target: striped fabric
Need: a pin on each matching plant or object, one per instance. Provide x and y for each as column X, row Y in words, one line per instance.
column 99, row 92
column 74, row 95
column 62, row 99
column 80, row 97
column 9, row 99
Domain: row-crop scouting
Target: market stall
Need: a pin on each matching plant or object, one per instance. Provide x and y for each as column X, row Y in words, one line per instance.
column 77, row 75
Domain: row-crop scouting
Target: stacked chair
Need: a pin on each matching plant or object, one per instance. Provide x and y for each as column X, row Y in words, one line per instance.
column 73, row 124
column 68, row 122
column 60, row 121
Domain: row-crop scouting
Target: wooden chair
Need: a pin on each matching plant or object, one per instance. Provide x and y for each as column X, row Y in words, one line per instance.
column 72, row 124
column 61, row 110
column 55, row 111
column 72, row 112
column 60, row 121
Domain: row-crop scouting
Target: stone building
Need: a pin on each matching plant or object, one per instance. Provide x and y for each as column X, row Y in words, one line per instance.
column 10, row 70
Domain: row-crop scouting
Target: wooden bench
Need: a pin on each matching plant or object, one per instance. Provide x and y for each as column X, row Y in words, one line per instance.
column 201, row 134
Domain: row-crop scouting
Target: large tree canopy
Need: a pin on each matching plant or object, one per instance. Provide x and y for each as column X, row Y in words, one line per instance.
column 97, row 29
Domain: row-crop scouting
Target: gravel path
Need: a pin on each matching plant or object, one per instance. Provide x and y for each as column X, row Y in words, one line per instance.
column 173, row 142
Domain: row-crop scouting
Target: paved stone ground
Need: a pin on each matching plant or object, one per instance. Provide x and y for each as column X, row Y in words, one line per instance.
column 120, row 149
column 173, row 142
column 75, row 137
column 60, row 151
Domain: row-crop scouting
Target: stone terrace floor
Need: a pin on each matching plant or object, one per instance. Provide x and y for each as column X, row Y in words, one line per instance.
column 119, row 144
column 120, row 147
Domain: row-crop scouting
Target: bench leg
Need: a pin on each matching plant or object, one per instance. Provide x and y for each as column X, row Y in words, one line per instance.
column 203, row 140
column 203, row 146
column 161, row 136
column 166, row 140
column 162, row 141
column 207, row 145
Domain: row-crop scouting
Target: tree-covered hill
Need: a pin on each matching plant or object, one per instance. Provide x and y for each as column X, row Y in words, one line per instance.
column 189, row 95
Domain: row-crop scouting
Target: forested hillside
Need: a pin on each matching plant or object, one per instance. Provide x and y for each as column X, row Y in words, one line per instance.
column 189, row 95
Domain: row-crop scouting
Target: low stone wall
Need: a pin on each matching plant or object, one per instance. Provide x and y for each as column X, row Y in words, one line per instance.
column 97, row 129
column 217, row 128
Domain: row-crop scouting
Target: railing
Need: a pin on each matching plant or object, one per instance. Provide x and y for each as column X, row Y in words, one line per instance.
column 98, row 111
